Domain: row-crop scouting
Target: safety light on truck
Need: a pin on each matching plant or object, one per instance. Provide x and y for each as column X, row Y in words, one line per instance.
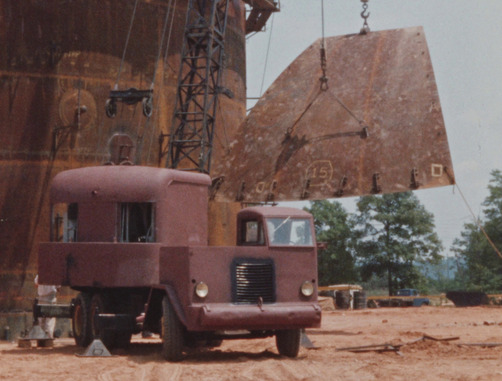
column 307, row 288
column 201, row 290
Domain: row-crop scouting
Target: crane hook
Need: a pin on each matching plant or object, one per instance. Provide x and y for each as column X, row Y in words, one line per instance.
column 365, row 14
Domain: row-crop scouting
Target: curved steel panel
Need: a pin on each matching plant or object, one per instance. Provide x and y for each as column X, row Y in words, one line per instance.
column 378, row 127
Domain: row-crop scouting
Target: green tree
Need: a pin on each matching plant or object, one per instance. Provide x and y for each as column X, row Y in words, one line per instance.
column 395, row 233
column 333, row 227
column 483, row 267
column 441, row 276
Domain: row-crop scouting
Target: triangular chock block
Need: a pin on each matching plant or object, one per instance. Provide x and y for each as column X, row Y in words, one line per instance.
column 37, row 333
column 96, row 349
column 305, row 341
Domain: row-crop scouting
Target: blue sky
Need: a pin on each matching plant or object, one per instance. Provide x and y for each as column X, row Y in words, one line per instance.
column 464, row 39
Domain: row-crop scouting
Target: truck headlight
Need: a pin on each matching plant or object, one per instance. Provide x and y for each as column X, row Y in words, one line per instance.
column 201, row 290
column 307, row 288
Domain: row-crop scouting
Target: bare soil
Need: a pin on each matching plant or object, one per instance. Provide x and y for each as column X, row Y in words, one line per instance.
column 426, row 343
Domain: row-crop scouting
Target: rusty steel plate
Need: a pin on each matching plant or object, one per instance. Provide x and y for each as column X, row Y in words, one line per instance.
column 377, row 128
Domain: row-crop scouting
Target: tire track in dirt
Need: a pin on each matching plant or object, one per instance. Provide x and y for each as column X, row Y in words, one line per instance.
column 121, row 373
column 166, row 371
column 249, row 360
column 144, row 372
column 282, row 368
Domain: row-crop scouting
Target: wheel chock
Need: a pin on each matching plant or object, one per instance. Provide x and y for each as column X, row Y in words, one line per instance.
column 305, row 341
column 96, row 349
column 37, row 333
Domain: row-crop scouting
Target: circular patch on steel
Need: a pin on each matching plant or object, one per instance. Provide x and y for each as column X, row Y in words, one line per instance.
column 77, row 107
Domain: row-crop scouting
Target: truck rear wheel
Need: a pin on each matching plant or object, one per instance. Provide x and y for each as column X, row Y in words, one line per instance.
column 172, row 332
column 80, row 322
column 288, row 342
column 99, row 306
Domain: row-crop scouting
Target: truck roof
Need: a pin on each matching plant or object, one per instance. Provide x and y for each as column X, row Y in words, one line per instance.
column 119, row 183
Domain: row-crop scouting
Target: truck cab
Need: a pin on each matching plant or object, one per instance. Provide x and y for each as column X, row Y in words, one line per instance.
column 407, row 292
column 412, row 298
column 133, row 242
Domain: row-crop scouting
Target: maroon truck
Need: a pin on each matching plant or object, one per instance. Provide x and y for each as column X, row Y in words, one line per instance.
column 133, row 242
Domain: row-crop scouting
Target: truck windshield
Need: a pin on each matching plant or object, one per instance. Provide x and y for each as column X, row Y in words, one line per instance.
column 289, row 231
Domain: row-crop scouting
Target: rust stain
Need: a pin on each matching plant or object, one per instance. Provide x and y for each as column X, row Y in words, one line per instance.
column 367, row 106
column 61, row 58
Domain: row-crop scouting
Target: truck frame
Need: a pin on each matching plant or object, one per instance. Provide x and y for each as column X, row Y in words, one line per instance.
column 132, row 241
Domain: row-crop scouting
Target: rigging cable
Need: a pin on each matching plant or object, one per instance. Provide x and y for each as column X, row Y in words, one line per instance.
column 323, row 79
column 122, row 60
column 161, row 44
column 126, row 44
column 266, row 56
column 360, row 121
column 164, row 63
column 476, row 220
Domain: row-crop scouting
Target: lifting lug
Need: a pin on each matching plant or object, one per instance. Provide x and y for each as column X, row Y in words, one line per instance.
column 305, row 191
column 414, row 183
column 240, row 193
column 341, row 186
column 270, row 195
column 377, row 188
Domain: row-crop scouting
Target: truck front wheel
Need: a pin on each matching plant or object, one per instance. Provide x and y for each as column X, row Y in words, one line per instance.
column 172, row 332
column 288, row 342
column 81, row 322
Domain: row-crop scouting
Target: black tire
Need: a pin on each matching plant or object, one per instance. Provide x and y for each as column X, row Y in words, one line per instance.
column 288, row 342
column 372, row 304
column 359, row 300
column 342, row 300
column 172, row 332
column 81, row 322
column 99, row 305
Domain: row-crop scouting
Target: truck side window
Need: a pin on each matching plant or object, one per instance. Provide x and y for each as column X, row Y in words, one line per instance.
column 252, row 233
column 71, row 223
column 137, row 222
column 64, row 222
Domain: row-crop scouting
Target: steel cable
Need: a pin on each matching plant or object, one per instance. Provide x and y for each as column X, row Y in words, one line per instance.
column 477, row 222
column 126, row 44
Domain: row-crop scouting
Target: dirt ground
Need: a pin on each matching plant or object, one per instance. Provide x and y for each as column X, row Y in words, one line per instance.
column 457, row 355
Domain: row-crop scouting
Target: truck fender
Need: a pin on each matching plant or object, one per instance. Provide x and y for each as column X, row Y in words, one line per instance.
column 173, row 298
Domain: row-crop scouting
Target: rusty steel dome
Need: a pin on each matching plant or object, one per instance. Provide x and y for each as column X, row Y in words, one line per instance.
column 58, row 63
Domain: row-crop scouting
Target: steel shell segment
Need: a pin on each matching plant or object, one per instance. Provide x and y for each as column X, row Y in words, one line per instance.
column 58, row 63
column 376, row 128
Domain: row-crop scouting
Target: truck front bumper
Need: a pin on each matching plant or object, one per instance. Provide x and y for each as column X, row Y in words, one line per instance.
column 256, row 317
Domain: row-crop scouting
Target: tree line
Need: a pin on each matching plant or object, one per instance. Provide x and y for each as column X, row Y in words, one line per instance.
column 390, row 243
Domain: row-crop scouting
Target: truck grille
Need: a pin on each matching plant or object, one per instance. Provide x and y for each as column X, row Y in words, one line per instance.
column 252, row 280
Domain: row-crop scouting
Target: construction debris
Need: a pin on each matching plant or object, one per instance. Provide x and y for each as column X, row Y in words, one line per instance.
column 374, row 348
column 386, row 347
